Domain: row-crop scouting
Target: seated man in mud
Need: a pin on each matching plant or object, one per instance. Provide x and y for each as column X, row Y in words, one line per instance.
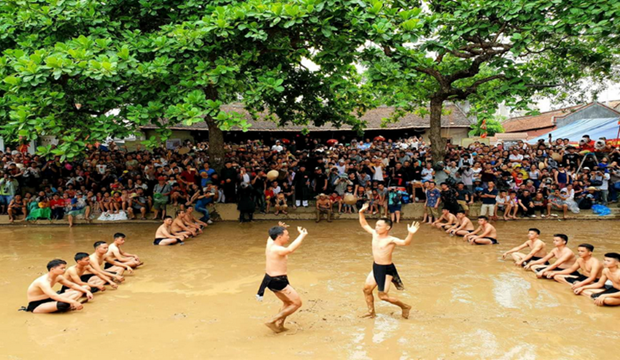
column 323, row 206
column 112, row 268
column 190, row 220
column 446, row 220
column 116, row 252
column 83, row 275
column 164, row 237
column 536, row 246
column 463, row 226
column 179, row 228
column 485, row 234
column 597, row 291
column 565, row 259
column 42, row 299
column 591, row 269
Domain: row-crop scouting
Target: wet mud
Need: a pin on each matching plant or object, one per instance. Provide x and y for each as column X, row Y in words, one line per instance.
column 197, row 301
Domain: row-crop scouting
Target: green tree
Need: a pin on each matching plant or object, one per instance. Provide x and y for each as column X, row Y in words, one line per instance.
column 85, row 70
column 420, row 55
column 488, row 126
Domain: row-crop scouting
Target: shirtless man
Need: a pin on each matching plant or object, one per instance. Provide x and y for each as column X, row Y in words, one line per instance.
column 78, row 275
column 276, row 279
column 190, row 220
column 565, row 259
column 163, row 235
column 449, row 218
column 591, row 269
column 42, row 299
column 178, row 226
column 323, row 206
column 611, row 296
column 485, row 234
column 116, row 253
column 383, row 270
column 463, row 227
column 112, row 268
column 537, row 249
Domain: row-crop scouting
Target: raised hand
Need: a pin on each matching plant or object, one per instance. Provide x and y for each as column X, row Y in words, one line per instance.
column 364, row 208
column 302, row 231
column 413, row 228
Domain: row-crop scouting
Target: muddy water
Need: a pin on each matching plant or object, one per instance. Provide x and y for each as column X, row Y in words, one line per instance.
column 197, row 301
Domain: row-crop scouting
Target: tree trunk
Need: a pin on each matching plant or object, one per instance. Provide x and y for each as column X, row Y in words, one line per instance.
column 216, row 145
column 438, row 144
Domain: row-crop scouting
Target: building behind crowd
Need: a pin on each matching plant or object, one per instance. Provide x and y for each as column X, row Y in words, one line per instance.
column 545, row 122
column 455, row 126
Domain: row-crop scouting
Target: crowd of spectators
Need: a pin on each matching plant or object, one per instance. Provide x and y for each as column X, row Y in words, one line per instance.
column 510, row 180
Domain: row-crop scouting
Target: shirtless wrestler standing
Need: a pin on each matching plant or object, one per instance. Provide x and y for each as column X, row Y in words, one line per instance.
column 383, row 270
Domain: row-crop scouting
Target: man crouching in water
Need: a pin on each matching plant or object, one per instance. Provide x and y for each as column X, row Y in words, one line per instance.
column 43, row 299
column 383, row 270
column 276, row 280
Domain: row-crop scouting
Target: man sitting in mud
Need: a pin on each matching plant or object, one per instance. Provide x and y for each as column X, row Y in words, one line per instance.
column 83, row 275
column 164, row 237
column 323, row 206
column 178, row 226
column 591, row 269
column 276, row 279
column 383, row 270
column 42, row 299
column 112, row 268
column 536, row 246
column 463, row 226
column 116, row 252
column 565, row 258
column 485, row 234
column 446, row 221
column 191, row 221
column 597, row 291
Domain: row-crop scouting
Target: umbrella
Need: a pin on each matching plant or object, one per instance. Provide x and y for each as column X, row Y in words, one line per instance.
column 332, row 142
column 286, row 141
column 379, row 138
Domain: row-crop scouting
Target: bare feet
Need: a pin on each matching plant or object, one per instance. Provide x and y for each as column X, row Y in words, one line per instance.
column 272, row 325
column 406, row 310
column 369, row 315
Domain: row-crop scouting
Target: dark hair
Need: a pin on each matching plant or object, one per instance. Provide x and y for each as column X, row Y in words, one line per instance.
column 79, row 256
column 483, row 217
column 562, row 236
column 587, row 246
column 535, row 230
column 118, row 235
column 613, row 256
column 99, row 243
column 56, row 262
column 443, row 183
column 387, row 221
column 167, row 217
column 461, row 212
column 276, row 231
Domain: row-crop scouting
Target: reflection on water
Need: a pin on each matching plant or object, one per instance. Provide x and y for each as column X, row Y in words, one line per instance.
column 197, row 301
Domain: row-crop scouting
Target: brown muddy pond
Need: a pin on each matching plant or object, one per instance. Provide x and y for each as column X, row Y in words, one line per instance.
column 197, row 301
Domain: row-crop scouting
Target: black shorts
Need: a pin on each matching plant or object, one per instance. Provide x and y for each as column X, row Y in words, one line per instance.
column 611, row 290
column 157, row 241
column 107, row 266
column 534, row 258
column 35, row 304
column 273, row 283
column 379, row 272
column 493, row 241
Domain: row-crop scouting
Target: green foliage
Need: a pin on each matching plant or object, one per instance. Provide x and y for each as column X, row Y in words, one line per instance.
column 485, row 51
column 493, row 127
column 90, row 69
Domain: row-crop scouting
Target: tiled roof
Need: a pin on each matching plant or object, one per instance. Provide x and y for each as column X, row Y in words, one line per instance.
column 453, row 117
column 540, row 121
